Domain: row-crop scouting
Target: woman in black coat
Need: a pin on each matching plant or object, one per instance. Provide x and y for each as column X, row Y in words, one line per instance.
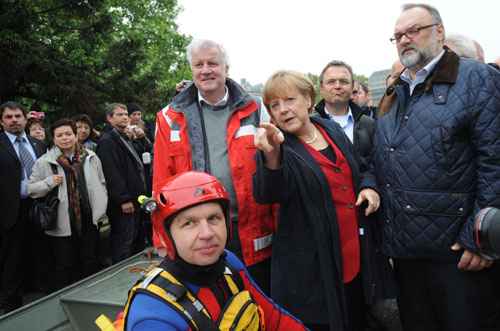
column 308, row 167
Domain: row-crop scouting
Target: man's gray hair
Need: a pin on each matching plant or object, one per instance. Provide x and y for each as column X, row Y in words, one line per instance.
column 197, row 44
column 433, row 11
column 462, row 45
column 110, row 108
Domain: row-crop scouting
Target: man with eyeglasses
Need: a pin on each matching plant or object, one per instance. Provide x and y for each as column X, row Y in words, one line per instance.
column 336, row 88
column 437, row 161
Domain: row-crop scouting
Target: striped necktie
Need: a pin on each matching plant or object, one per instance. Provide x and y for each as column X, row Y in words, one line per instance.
column 26, row 159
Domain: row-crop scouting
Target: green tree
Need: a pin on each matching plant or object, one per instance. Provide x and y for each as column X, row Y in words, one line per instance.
column 361, row 78
column 315, row 80
column 72, row 56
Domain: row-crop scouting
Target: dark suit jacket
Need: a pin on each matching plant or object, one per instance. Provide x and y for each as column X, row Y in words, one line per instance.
column 10, row 179
column 124, row 173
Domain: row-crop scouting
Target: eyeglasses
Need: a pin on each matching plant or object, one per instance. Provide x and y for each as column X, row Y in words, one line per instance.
column 341, row 81
column 410, row 33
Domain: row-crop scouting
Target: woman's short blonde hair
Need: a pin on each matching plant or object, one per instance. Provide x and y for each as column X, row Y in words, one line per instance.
column 282, row 82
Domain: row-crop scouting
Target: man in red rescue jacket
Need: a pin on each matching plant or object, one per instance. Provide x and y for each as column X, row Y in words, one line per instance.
column 210, row 126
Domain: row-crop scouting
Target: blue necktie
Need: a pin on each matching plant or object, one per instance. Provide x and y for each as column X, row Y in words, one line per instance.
column 26, row 159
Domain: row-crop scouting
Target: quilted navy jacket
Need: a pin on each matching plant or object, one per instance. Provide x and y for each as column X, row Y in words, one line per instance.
column 437, row 158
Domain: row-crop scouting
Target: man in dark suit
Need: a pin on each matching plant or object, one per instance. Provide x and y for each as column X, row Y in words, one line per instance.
column 125, row 180
column 18, row 153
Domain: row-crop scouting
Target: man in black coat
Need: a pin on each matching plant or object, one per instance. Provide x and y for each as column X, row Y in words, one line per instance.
column 18, row 153
column 336, row 87
column 125, row 180
column 361, row 97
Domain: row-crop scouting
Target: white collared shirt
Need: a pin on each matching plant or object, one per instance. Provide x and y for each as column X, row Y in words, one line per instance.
column 346, row 122
column 422, row 74
column 221, row 102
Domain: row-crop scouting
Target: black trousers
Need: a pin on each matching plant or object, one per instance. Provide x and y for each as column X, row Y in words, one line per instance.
column 14, row 246
column 36, row 272
column 356, row 308
column 75, row 257
column 356, row 304
column 436, row 295
column 127, row 233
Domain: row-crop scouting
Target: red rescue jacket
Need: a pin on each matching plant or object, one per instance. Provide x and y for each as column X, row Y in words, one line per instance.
column 173, row 154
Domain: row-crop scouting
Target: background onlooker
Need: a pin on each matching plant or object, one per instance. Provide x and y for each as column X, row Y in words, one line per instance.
column 85, row 131
column 396, row 70
column 18, row 152
column 82, row 203
column 361, row 94
column 125, row 179
column 336, row 87
column 462, row 46
column 135, row 113
column 36, row 129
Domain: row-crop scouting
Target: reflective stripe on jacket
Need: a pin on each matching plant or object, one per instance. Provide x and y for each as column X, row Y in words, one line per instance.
column 173, row 154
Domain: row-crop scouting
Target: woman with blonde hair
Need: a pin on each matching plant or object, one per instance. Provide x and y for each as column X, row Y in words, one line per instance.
column 308, row 166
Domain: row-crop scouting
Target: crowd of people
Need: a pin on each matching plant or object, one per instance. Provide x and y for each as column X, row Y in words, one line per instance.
column 316, row 215
column 96, row 176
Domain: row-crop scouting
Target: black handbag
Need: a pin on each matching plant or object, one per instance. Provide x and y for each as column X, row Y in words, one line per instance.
column 44, row 210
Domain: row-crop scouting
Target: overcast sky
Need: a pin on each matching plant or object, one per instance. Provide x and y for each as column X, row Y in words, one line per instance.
column 262, row 36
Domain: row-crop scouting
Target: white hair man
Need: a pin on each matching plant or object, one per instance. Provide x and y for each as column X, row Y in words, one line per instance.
column 436, row 161
column 209, row 126
column 462, row 46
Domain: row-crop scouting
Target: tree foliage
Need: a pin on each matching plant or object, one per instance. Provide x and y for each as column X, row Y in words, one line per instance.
column 253, row 89
column 361, row 78
column 73, row 56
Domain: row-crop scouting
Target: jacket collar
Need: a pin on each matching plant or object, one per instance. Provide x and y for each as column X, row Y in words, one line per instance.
column 54, row 152
column 355, row 110
column 237, row 96
column 37, row 145
column 338, row 137
column 4, row 139
column 445, row 72
column 221, row 103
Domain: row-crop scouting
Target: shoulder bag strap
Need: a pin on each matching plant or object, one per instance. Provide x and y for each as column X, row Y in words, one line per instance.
column 55, row 190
